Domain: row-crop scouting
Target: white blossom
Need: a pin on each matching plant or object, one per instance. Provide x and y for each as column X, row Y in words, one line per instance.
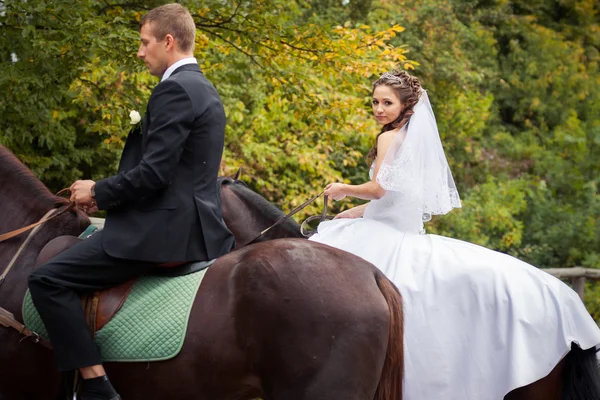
column 135, row 117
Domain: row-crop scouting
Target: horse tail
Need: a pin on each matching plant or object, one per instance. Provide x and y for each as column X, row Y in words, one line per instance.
column 581, row 376
column 390, row 383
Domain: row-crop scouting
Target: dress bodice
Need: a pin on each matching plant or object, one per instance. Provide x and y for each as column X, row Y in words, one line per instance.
column 397, row 210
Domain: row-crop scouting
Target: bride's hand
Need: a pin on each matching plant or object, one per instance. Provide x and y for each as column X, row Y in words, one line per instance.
column 350, row 213
column 335, row 191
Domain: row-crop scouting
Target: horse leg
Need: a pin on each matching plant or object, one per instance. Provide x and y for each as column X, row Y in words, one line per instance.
column 211, row 365
column 292, row 321
column 266, row 326
column 318, row 332
column 548, row 388
column 23, row 361
column 576, row 377
column 581, row 375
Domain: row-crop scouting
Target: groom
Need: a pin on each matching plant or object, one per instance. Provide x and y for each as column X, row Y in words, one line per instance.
column 163, row 205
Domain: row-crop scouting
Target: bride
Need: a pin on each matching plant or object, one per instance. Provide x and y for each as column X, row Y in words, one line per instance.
column 478, row 323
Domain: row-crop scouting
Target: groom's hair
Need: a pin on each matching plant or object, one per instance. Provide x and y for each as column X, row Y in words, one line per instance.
column 172, row 19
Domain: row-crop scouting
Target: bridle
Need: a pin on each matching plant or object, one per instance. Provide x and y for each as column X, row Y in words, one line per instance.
column 7, row 319
column 53, row 213
column 323, row 216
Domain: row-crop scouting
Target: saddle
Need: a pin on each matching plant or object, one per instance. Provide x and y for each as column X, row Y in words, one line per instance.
column 100, row 307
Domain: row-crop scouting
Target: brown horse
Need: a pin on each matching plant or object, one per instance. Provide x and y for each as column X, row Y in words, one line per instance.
column 24, row 200
column 576, row 377
column 285, row 319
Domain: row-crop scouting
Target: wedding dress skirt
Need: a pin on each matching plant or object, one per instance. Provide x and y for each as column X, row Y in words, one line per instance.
column 478, row 323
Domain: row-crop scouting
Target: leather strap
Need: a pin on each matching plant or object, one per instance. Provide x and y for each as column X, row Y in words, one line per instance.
column 8, row 320
column 24, row 244
column 321, row 218
column 53, row 213
column 90, row 308
column 288, row 215
column 11, row 234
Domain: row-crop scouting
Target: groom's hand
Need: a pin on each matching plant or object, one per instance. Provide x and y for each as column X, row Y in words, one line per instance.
column 81, row 193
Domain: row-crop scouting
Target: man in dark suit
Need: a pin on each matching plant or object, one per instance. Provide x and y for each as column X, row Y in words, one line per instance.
column 163, row 204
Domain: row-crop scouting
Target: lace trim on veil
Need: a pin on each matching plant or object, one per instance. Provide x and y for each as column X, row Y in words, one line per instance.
column 416, row 167
column 435, row 193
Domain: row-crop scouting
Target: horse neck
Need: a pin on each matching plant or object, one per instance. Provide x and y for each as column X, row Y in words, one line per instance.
column 13, row 288
column 25, row 200
column 246, row 217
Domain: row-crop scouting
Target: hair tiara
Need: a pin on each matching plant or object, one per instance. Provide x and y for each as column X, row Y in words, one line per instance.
column 390, row 76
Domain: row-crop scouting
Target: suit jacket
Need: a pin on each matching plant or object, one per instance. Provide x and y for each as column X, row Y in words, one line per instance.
column 163, row 204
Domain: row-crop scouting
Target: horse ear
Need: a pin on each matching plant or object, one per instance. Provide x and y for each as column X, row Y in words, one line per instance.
column 237, row 174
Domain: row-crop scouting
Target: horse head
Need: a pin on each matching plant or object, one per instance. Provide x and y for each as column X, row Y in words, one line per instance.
column 246, row 213
column 25, row 200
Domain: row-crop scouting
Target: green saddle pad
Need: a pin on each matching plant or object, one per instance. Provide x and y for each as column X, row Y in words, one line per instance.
column 151, row 324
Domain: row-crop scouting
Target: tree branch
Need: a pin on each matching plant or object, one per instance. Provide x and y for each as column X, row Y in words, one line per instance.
column 226, row 21
column 92, row 83
column 301, row 48
column 252, row 58
column 108, row 6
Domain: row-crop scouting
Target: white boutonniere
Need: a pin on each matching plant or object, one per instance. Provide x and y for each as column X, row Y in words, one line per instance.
column 136, row 121
column 135, row 117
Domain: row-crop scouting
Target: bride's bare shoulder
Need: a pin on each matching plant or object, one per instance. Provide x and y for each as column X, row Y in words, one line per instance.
column 388, row 136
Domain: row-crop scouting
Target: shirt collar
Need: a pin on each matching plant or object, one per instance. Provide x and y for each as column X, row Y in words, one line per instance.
column 183, row 61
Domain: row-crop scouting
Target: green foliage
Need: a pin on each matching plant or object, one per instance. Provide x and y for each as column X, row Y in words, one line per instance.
column 514, row 83
column 63, row 93
column 489, row 216
column 287, row 87
column 515, row 87
column 592, row 299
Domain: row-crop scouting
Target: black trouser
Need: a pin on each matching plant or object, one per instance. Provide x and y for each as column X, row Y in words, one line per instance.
column 55, row 288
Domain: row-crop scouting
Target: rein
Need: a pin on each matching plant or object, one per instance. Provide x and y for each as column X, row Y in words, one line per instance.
column 322, row 217
column 53, row 213
column 35, row 227
column 11, row 234
column 7, row 319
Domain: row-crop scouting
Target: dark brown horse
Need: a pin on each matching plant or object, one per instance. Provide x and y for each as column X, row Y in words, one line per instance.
column 576, row 377
column 285, row 319
column 24, row 200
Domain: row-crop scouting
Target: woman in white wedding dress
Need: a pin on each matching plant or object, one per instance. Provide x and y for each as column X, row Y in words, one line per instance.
column 478, row 323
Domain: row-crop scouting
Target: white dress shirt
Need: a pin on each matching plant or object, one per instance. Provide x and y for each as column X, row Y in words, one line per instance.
column 173, row 67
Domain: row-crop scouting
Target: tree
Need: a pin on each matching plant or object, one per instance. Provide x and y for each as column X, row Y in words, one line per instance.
column 514, row 84
column 287, row 87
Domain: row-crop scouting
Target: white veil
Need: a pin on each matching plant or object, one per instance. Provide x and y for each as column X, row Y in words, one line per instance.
column 416, row 166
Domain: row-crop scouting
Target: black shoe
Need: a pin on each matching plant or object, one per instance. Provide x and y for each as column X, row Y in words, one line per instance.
column 97, row 389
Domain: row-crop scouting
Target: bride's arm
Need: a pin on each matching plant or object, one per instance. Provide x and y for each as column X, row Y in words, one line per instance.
column 354, row 212
column 370, row 190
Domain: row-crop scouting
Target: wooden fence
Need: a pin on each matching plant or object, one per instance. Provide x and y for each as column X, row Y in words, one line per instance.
column 577, row 275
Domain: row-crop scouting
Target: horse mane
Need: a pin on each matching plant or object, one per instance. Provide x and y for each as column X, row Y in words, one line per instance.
column 11, row 165
column 255, row 200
